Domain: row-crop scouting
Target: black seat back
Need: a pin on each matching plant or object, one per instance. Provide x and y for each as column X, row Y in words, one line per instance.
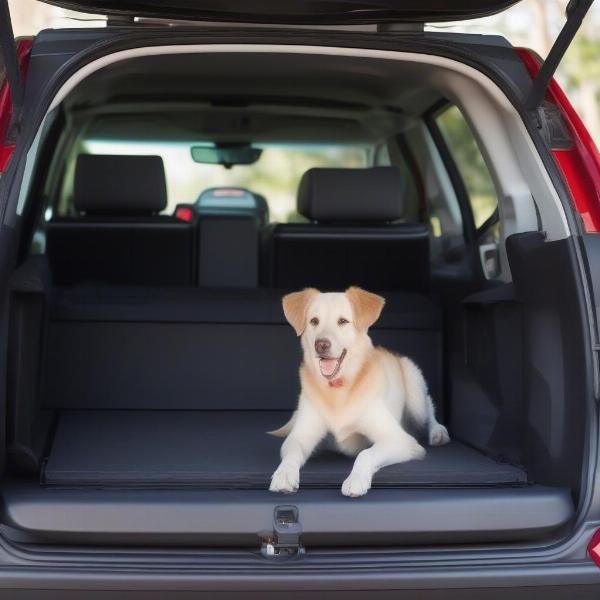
column 117, row 235
column 356, row 236
column 230, row 224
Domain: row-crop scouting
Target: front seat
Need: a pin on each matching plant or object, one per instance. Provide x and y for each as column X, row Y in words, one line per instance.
column 117, row 235
column 357, row 235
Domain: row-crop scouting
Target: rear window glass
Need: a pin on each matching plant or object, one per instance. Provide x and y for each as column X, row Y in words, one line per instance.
column 275, row 175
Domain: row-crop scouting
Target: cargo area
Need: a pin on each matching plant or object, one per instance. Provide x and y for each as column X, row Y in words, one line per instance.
column 149, row 354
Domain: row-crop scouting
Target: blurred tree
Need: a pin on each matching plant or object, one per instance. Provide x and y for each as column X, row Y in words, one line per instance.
column 580, row 74
column 542, row 33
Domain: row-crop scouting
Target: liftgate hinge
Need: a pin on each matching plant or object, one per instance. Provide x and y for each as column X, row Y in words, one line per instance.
column 287, row 530
column 552, row 127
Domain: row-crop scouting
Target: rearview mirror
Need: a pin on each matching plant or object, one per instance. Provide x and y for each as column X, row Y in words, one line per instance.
column 228, row 156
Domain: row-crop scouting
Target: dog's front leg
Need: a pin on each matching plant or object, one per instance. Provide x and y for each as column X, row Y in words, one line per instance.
column 308, row 430
column 391, row 445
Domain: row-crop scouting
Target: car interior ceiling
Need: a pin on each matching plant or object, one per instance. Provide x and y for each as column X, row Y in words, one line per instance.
column 138, row 338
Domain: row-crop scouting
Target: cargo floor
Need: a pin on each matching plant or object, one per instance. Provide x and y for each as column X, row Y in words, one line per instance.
column 228, row 450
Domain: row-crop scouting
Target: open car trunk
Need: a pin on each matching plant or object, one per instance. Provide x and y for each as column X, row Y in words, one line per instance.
column 138, row 410
column 155, row 406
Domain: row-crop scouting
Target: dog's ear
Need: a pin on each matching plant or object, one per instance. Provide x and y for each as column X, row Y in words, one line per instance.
column 366, row 307
column 295, row 305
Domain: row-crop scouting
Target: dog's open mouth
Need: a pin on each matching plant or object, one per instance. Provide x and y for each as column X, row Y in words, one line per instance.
column 330, row 367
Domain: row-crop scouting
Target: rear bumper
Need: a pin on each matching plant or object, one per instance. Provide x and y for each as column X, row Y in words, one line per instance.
column 575, row 580
column 159, row 518
column 55, row 570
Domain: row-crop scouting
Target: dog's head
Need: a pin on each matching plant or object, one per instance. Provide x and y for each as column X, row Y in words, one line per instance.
column 333, row 327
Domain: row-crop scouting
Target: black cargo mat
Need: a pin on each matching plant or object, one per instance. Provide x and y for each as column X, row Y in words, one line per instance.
column 228, row 449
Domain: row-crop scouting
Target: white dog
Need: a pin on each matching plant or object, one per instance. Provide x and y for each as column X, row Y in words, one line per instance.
column 356, row 392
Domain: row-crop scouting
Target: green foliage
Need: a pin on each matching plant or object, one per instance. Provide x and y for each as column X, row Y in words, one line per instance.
column 582, row 60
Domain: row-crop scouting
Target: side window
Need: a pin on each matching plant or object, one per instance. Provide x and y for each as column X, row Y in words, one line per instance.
column 440, row 206
column 391, row 153
column 478, row 184
column 381, row 156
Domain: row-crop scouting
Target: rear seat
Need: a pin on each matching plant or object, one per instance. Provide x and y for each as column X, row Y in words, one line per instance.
column 170, row 348
column 230, row 224
column 356, row 236
column 209, row 349
column 177, row 348
column 118, row 236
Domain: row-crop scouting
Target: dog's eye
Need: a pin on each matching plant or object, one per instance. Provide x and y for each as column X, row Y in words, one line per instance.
column 342, row 321
column 314, row 321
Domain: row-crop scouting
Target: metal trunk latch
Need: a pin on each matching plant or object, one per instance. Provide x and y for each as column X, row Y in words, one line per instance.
column 287, row 530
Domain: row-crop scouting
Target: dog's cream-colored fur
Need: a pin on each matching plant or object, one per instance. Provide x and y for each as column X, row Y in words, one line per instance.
column 362, row 406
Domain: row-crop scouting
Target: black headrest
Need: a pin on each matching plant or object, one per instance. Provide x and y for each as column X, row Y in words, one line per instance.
column 116, row 185
column 233, row 201
column 375, row 194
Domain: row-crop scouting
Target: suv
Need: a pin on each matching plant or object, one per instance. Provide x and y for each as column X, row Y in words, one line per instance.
column 145, row 351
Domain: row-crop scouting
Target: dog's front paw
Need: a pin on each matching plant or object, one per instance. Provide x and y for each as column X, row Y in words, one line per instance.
column 438, row 435
column 413, row 451
column 357, row 484
column 286, row 479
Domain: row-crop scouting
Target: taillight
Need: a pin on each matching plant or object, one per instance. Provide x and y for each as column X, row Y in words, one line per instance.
column 580, row 164
column 185, row 214
column 594, row 548
column 6, row 149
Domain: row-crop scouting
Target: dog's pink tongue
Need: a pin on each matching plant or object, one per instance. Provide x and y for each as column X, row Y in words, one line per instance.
column 328, row 366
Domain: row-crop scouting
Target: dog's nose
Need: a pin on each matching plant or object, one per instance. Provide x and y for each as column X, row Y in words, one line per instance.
column 322, row 345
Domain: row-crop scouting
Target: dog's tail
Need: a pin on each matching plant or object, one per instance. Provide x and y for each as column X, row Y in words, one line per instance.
column 418, row 402
column 285, row 429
